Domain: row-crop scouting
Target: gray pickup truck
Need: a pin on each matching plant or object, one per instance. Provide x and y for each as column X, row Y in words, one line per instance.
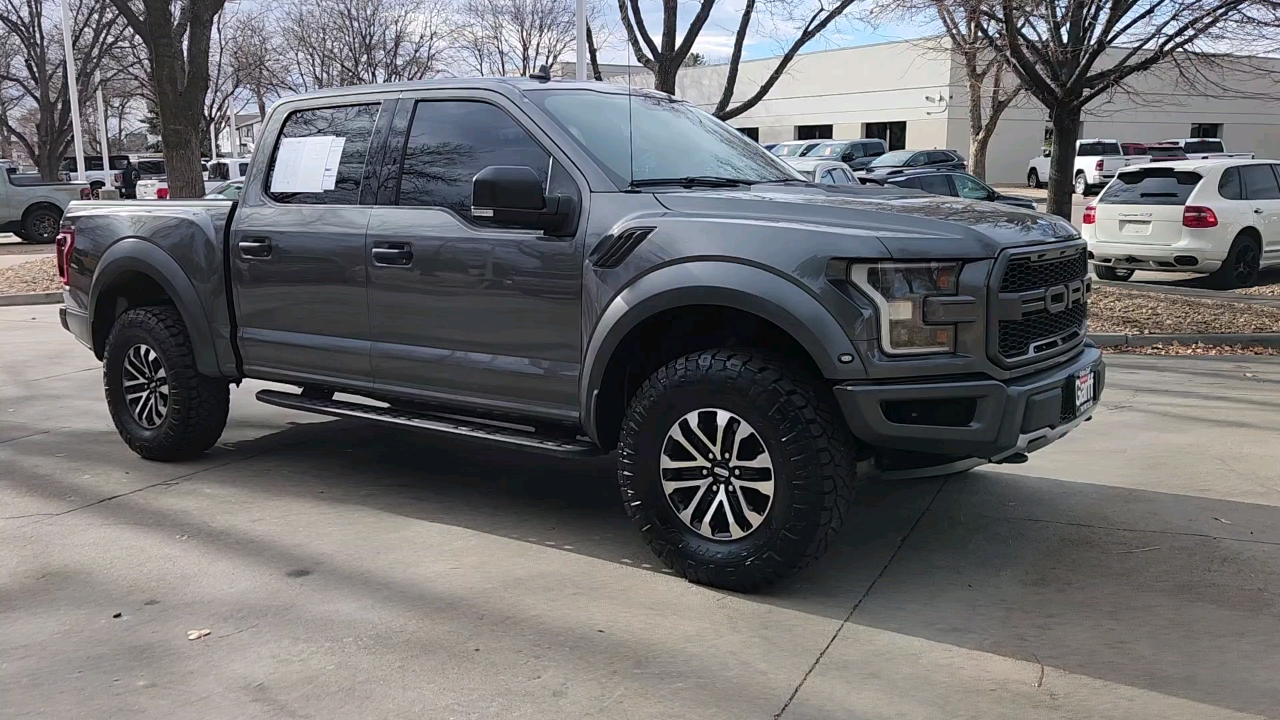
column 573, row 269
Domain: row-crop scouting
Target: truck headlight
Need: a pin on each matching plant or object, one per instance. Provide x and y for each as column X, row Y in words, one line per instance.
column 899, row 291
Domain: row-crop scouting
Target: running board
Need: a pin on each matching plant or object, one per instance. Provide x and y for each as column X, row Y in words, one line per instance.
column 435, row 423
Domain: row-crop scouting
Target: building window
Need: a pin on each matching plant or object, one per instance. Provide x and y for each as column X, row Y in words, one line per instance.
column 753, row 133
column 1206, row 130
column 894, row 134
column 813, row 132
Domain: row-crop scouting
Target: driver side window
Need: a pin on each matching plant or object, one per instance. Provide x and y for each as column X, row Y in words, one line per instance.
column 918, row 159
column 452, row 140
column 970, row 188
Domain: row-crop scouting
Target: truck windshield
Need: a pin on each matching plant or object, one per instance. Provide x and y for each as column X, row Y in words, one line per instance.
column 1154, row 186
column 668, row 138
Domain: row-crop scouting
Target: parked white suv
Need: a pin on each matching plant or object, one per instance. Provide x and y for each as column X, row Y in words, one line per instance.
column 1219, row 217
column 1097, row 161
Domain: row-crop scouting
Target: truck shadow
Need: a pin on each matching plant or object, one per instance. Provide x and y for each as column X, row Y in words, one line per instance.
column 1171, row 593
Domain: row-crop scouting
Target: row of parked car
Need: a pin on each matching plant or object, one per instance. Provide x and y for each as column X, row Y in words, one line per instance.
column 153, row 183
column 1099, row 159
column 866, row 162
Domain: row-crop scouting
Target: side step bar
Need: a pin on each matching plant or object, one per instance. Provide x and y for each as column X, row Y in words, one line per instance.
column 444, row 425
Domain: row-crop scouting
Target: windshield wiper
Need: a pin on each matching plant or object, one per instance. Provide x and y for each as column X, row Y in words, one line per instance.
column 707, row 181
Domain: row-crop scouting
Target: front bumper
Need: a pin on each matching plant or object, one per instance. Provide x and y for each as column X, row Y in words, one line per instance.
column 1020, row 415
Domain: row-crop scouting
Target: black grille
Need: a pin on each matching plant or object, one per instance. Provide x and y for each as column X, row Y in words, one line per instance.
column 1023, row 274
column 1017, row 336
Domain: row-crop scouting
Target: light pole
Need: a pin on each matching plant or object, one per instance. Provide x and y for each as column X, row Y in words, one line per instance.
column 72, row 90
column 582, row 39
column 102, row 132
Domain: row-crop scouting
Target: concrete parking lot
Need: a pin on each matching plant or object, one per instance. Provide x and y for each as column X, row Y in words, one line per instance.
column 343, row 571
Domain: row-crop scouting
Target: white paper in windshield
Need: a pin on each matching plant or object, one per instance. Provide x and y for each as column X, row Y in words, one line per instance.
column 301, row 164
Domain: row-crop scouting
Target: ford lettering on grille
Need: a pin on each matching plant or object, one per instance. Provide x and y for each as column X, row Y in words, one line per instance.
column 1041, row 305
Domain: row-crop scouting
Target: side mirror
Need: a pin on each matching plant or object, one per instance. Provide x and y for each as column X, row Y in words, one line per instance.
column 1046, row 152
column 512, row 196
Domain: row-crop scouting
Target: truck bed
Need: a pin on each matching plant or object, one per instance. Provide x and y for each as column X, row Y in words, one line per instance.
column 186, row 236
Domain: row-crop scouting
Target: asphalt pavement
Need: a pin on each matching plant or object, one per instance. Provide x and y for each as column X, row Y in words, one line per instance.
column 1132, row 570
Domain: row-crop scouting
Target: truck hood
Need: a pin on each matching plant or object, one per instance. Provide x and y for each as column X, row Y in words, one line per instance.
column 910, row 224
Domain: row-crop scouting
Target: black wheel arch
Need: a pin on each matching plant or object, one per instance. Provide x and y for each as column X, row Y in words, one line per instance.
column 134, row 272
column 779, row 311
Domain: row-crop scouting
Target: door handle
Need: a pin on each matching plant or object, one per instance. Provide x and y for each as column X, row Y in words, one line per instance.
column 255, row 247
column 392, row 254
column 1257, row 211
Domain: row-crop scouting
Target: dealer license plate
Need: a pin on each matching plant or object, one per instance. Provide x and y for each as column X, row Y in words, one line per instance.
column 1084, row 390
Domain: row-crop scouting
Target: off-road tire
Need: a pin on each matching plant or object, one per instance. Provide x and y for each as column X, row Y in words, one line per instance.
column 1033, row 179
column 1114, row 274
column 796, row 419
column 35, row 220
column 1240, row 269
column 198, row 405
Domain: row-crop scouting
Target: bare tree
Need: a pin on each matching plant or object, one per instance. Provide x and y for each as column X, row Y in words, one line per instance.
column 256, row 58
column 330, row 43
column 176, row 35
column 1068, row 53
column 35, row 76
column 515, row 37
column 666, row 55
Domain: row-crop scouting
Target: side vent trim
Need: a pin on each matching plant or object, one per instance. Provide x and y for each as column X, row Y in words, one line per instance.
column 613, row 250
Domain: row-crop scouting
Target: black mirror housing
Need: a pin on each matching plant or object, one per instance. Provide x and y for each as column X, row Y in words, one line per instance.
column 513, row 196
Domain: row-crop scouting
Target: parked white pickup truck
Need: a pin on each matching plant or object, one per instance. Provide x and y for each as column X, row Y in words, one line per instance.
column 1207, row 149
column 1096, row 164
column 31, row 208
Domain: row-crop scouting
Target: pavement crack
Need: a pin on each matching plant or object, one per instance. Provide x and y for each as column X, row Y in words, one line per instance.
column 857, row 604
column 49, row 377
column 1176, row 533
column 24, row 517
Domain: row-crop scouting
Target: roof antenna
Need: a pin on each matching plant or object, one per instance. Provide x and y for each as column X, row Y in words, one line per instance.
column 542, row 75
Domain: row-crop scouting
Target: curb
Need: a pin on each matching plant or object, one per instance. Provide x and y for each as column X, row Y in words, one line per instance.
column 1266, row 340
column 45, row 298
column 1219, row 295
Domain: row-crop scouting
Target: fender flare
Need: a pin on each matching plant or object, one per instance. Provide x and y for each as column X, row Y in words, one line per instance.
column 135, row 255
column 735, row 285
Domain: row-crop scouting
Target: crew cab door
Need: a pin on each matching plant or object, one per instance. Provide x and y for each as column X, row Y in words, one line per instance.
column 462, row 311
column 297, row 250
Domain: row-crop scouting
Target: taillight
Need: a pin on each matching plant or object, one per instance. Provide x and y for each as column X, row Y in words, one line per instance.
column 117, row 179
column 1198, row 217
column 162, row 193
column 1097, row 167
column 62, row 247
column 1090, row 215
column 86, row 193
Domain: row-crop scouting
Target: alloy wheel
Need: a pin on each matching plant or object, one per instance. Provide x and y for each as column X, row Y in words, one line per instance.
column 1246, row 265
column 146, row 386
column 45, row 227
column 717, row 474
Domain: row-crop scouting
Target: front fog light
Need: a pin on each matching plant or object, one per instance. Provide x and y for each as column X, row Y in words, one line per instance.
column 899, row 291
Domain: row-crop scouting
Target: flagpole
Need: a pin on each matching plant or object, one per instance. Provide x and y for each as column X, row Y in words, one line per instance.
column 582, row 39
column 102, row 132
column 73, row 90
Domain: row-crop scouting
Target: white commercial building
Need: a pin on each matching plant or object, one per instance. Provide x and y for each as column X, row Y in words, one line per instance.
column 913, row 94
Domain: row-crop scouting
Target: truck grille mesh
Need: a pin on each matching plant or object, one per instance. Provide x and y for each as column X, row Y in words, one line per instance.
column 1022, row 274
column 1017, row 336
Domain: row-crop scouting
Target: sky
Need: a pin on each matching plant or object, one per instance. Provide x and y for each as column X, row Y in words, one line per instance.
column 775, row 27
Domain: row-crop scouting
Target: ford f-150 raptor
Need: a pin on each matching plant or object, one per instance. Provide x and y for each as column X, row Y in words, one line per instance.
column 575, row 268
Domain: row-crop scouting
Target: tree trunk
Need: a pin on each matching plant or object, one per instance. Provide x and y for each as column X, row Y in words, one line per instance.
column 978, row 154
column 1066, row 130
column 180, row 133
column 664, row 78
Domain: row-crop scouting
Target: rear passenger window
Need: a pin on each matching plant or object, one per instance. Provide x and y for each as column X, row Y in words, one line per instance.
column 1259, row 182
column 452, row 140
column 353, row 126
column 1229, row 185
column 940, row 157
column 936, row 184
